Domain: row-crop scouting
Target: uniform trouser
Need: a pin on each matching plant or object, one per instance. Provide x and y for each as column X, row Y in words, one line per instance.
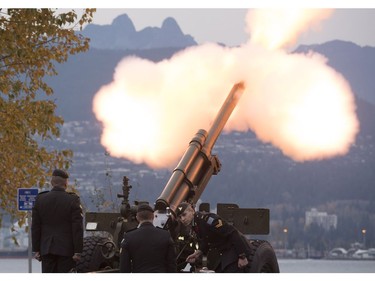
column 57, row 264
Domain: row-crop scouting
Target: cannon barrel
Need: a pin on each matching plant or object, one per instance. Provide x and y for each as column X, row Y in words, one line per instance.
column 197, row 165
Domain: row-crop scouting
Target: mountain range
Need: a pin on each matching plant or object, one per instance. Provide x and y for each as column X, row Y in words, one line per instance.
column 121, row 35
column 254, row 173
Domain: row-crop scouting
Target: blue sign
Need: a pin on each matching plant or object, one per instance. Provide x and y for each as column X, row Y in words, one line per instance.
column 26, row 198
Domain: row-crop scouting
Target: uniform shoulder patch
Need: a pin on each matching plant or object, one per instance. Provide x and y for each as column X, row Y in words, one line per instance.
column 213, row 220
column 210, row 220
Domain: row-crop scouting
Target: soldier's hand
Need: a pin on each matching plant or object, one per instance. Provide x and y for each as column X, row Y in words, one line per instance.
column 77, row 257
column 242, row 262
column 37, row 256
column 193, row 257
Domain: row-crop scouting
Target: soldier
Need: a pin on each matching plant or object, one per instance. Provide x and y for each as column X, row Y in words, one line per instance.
column 214, row 233
column 57, row 227
column 147, row 249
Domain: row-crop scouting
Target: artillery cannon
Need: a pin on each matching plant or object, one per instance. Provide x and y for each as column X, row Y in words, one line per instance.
column 187, row 183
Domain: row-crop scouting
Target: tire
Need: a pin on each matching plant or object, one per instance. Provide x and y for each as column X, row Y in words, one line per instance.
column 92, row 258
column 262, row 258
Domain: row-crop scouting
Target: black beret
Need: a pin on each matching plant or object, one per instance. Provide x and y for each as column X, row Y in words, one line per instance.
column 144, row 207
column 60, row 173
column 181, row 208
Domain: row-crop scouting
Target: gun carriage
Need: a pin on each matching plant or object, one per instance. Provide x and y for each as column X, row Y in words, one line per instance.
column 187, row 183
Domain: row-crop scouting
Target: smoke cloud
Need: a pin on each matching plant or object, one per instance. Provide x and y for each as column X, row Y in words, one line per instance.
column 150, row 111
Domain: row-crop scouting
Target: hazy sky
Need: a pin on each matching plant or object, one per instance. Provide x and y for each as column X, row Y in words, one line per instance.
column 228, row 25
column 224, row 21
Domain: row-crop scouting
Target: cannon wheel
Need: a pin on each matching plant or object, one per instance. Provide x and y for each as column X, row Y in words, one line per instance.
column 92, row 258
column 263, row 258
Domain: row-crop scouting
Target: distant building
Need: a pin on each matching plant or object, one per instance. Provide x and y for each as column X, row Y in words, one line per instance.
column 320, row 218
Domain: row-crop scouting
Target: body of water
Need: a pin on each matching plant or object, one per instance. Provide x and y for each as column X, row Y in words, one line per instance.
column 326, row 266
column 21, row 265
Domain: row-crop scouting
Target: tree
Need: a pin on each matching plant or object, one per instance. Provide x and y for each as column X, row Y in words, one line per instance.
column 32, row 41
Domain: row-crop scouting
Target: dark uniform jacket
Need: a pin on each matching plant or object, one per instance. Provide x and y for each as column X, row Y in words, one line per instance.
column 57, row 223
column 215, row 233
column 147, row 249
